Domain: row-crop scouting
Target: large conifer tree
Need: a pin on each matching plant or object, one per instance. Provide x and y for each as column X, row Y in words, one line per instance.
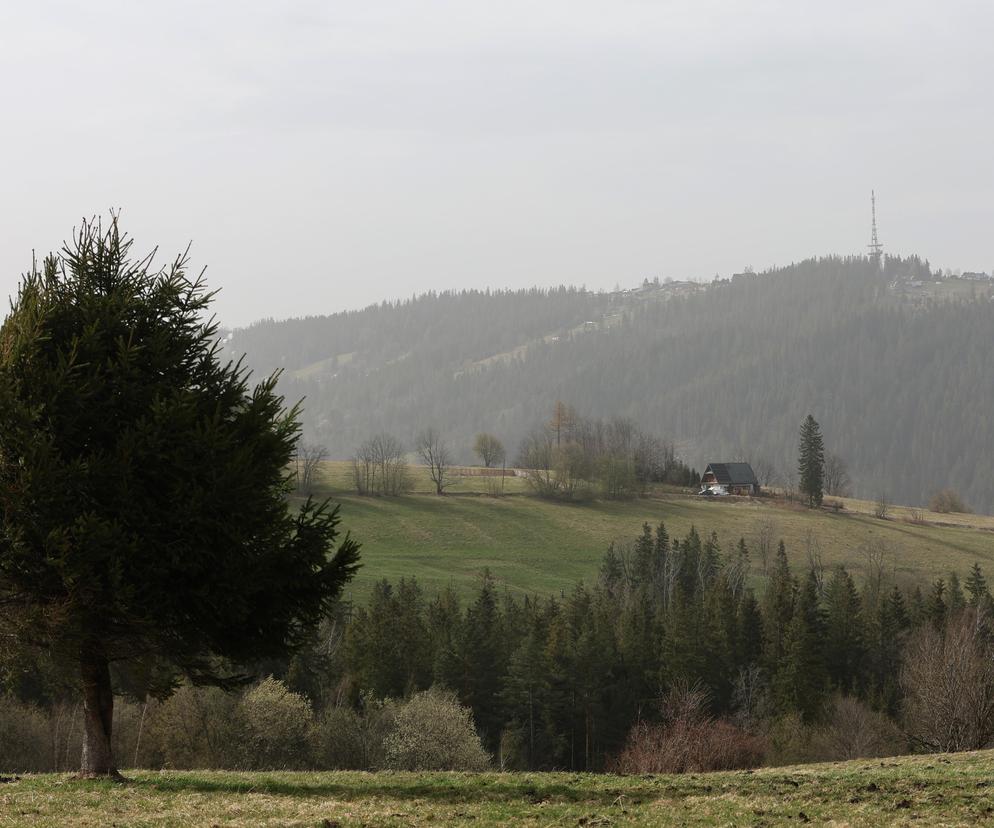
column 143, row 485
column 811, row 463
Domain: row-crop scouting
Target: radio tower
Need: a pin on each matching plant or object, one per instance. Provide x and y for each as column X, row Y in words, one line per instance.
column 876, row 248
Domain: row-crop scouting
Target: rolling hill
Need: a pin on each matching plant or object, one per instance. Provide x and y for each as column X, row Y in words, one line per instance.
column 535, row 546
column 894, row 363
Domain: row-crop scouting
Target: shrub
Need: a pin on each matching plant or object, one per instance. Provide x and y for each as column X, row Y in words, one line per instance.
column 434, row 732
column 688, row 740
column 689, row 747
column 947, row 677
column 25, row 746
column 853, row 731
column 277, row 724
column 946, row 501
column 193, row 728
column 347, row 739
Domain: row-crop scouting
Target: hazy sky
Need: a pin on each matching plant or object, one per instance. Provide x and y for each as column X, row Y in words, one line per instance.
column 324, row 155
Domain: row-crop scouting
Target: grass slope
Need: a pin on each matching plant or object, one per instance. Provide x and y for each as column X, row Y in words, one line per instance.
column 926, row 790
column 536, row 546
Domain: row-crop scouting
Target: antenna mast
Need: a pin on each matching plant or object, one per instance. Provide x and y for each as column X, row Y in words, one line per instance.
column 876, row 248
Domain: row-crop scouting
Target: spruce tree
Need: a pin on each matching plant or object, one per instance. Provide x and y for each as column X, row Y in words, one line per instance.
column 955, row 598
column 482, row 660
column 936, row 608
column 811, row 462
column 801, row 680
column 749, row 647
column 844, row 638
column 144, row 485
column 976, row 586
column 778, row 609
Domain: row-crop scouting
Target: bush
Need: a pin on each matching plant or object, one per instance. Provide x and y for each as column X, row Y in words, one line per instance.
column 948, row 501
column 789, row 740
column 688, row 741
column 434, row 732
column 346, row 739
column 853, row 731
column 689, row 747
column 277, row 724
column 947, row 678
column 25, row 744
column 193, row 728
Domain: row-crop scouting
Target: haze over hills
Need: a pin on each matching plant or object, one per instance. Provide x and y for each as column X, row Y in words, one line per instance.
column 893, row 362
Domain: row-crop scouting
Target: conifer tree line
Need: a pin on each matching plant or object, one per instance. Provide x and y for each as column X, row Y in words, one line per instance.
column 576, row 680
column 560, row 682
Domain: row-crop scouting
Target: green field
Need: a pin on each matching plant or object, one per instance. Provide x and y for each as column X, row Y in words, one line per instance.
column 952, row 789
column 536, row 546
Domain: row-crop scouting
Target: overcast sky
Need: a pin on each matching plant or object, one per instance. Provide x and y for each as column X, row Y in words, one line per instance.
column 325, row 155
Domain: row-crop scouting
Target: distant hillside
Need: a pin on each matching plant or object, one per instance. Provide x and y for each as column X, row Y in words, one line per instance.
column 896, row 366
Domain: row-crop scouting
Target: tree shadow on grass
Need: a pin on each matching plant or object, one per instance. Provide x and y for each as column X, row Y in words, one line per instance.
column 465, row 790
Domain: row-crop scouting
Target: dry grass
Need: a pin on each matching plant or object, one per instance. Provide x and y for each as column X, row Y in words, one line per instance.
column 926, row 790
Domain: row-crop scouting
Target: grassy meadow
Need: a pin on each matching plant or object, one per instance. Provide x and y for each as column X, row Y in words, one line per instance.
column 536, row 546
column 951, row 789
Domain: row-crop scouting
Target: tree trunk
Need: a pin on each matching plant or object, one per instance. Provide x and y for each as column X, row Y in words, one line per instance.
column 98, row 713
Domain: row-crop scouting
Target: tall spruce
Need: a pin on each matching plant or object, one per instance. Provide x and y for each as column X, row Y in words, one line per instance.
column 801, row 679
column 144, row 485
column 811, row 462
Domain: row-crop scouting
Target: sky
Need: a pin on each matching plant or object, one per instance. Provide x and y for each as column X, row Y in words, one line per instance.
column 321, row 156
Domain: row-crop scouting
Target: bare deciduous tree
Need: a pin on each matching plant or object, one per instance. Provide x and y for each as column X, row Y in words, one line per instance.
column 836, row 476
column 766, row 537
column 766, row 471
column 435, row 455
column 877, row 562
column 307, row 461
column 948, row 681
column 379, row 466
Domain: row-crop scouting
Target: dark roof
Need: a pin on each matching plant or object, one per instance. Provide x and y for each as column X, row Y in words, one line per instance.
column 733, row 474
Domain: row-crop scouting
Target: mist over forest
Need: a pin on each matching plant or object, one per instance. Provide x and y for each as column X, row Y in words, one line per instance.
column 893, row 361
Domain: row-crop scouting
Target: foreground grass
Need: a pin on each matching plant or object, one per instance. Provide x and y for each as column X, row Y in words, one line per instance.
column 924, row 790
column 534, row 546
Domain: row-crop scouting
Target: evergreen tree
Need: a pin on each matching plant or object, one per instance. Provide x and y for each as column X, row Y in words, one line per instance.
column 917, row 613
column 811, row 462
column 936, row 608
column 525, row 691
column 885, row 638
column 955, row 598
column 801, row 680
column 778, row 609
column 444, row 622
column 844, row 639
column 976, row 586
column 144, row 486
column 749, row 647
column 482, row 661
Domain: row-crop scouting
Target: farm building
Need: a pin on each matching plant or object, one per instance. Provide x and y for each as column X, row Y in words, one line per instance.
column 733, row 478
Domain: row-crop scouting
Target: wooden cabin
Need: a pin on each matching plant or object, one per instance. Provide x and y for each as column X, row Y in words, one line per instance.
column 735, row 478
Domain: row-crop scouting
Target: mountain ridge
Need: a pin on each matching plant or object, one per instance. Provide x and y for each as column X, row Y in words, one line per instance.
column 892, row 361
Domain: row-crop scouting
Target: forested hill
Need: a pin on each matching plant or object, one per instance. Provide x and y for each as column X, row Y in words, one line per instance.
column 897, row 368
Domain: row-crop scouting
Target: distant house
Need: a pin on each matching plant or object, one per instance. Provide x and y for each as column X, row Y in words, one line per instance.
column 734, row 478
